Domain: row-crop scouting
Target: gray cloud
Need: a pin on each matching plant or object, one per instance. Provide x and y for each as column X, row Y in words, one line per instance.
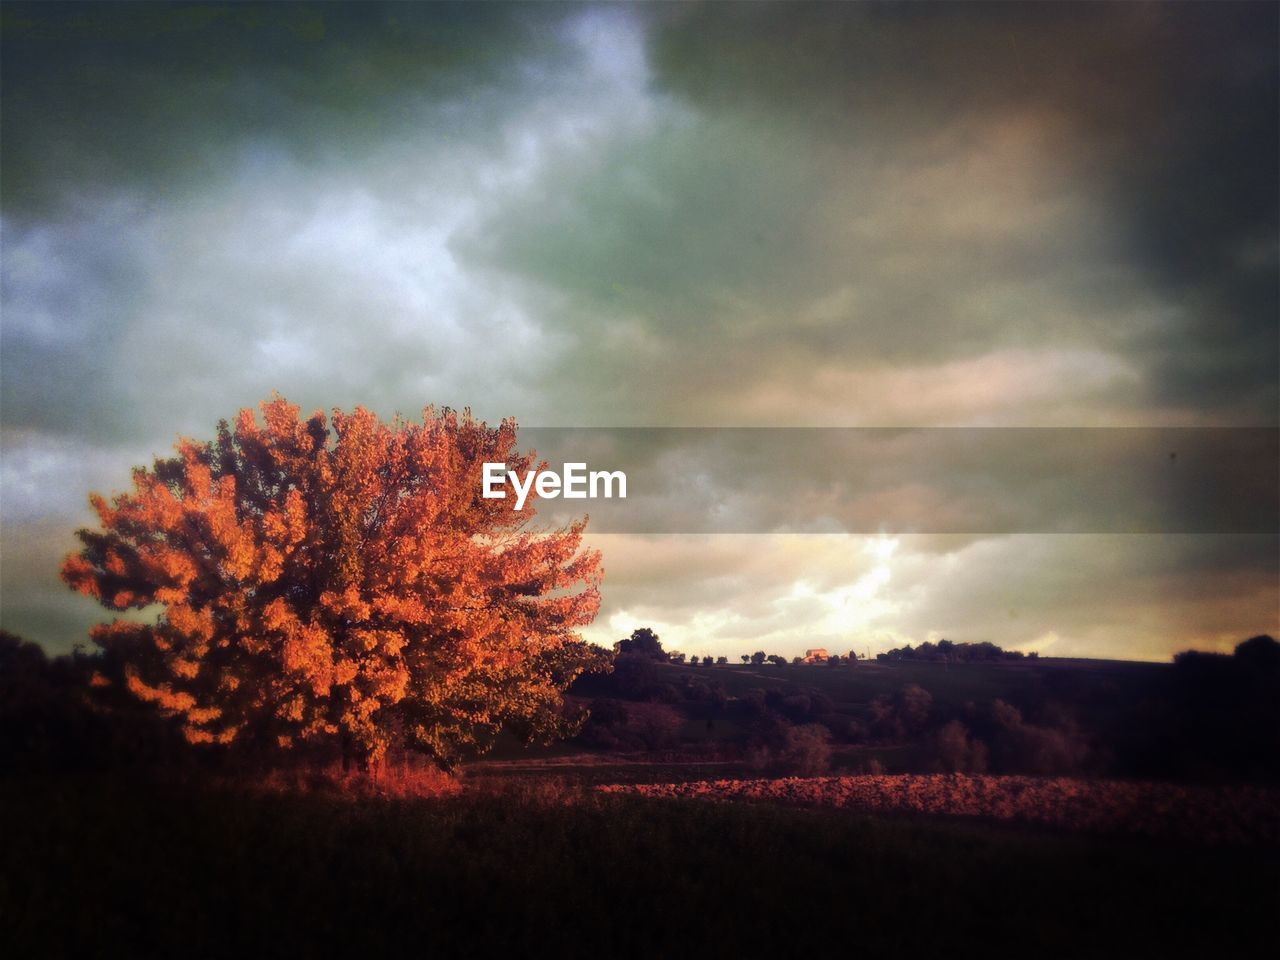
column 1164, row 115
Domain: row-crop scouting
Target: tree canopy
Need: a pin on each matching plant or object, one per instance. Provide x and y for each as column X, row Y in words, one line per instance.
column 642, row 642
column 340, row 582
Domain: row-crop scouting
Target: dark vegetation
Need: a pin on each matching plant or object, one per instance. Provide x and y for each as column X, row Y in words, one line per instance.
column 141, row 869
column 946, row 651
column 121, row 837
column 1205, row 717
column 956, row 707
column 64, row 715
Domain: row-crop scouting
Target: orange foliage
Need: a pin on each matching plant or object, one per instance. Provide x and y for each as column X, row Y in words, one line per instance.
column 344, row 583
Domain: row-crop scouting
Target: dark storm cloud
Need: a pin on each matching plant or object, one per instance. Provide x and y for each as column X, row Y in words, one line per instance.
column 1175, row 111
column 160, row 96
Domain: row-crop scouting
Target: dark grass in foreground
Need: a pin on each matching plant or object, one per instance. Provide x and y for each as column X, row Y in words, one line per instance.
column 93, row 868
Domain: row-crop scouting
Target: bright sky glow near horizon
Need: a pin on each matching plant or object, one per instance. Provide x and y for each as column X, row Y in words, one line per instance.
column 686, row 215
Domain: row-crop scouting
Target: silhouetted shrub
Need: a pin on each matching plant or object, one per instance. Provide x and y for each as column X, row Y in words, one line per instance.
column 796, row 706
column 1017, row 746
column 1222, row 715
column 806, row 749
column 71, row 714
column 782, row 747
column 1260, row 654
column 856, row 731
column 958, row 752
column 607, row 716
column 614, row 725
column 820, row 703
column 698, row 690
column 666, row 693
column 905, row 714
column 634, row 675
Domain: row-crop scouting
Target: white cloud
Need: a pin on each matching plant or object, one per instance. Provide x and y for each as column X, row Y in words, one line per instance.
column 1094, row 595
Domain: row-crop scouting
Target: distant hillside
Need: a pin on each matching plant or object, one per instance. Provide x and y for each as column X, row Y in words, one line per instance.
column 1030, row 715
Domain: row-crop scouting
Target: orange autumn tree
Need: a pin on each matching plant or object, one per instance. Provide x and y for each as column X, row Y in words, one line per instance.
column 342, row 583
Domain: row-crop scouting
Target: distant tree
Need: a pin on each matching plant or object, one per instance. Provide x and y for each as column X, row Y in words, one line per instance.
column 807, row 749
column 796, row 661
column 1017, row 746
column 774, row 742
column 946, row 650
column 758, row 658
column 642, row 642
column 342, row 583
column 904, row 714
column 777, row 660
column 1223, row 715
column 721, row 661
column 913, row 703
column 677, row 658
column 1260, row 653
column 746, row 658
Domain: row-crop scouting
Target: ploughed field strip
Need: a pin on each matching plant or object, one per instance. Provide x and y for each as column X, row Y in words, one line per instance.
column 1216, row 814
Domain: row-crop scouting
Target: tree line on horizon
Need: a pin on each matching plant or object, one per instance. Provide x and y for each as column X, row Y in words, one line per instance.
column 644, row 642
column 1205, row 716
column 1216, row 715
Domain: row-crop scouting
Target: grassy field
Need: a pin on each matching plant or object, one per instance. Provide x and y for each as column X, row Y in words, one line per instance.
column 91, row 868
column 523, row 852
column 950, row 684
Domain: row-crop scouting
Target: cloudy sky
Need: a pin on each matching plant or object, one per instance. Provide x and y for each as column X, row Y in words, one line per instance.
column 794, row 215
